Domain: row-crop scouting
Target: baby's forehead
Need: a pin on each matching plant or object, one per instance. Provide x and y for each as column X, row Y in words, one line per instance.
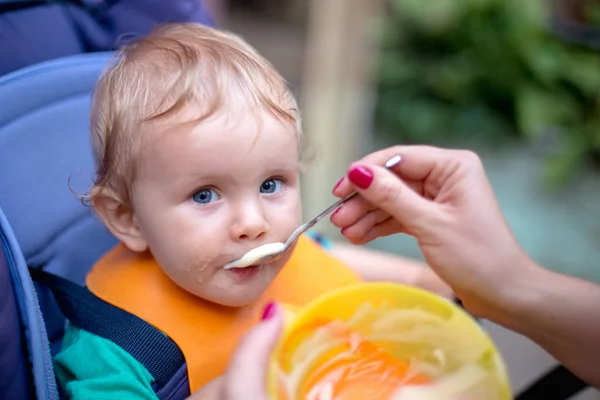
column 226, row 146
column 237, row 124
column 230, row 130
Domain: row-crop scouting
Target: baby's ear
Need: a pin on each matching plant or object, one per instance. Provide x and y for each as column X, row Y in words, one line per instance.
column 119, row 219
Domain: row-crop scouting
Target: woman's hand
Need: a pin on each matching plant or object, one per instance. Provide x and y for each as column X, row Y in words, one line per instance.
column 246, row 378
column 443, row 199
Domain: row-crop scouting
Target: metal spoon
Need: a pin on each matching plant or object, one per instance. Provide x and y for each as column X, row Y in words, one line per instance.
column 270, row 252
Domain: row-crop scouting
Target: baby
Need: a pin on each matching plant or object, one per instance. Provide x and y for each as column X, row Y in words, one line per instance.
column 197, row 143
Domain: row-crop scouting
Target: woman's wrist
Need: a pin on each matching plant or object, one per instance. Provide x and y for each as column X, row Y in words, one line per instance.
column 504, row 295
column 427, row 279
column 515, row 303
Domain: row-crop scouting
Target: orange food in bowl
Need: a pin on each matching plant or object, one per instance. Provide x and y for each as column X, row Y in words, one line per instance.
column 366, row 373
column 367, row 340
column 356, row 369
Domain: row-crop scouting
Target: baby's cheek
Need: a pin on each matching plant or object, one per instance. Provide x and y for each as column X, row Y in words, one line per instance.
column 194, row 268
column 184, row 254
column 197, row 270
column 289, row 221
column 201, row 253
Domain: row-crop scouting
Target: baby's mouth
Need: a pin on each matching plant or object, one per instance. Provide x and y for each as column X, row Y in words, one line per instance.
column 247, row 272
column 269, row 251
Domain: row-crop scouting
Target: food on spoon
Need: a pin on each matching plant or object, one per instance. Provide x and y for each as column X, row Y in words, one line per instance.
column 256, row 254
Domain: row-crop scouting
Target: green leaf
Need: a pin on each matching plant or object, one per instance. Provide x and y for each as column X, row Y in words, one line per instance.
column 546, row 59
column 564, row 163
column 538, row 110
column 431, row 16
column 531, row 16
column 583, row 70
column 393, row 69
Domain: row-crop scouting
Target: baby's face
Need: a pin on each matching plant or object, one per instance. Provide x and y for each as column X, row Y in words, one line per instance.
column 206, row 195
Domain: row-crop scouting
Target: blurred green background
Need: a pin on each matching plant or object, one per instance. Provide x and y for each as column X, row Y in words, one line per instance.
column 489, row 71
column 515, row 81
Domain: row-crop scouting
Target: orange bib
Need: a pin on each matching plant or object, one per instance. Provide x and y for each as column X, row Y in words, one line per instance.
column 207, row 333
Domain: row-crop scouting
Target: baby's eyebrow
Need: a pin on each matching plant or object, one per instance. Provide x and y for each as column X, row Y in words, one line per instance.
column 286, row 164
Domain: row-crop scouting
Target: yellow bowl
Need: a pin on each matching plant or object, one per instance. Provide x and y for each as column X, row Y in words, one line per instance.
column 421, row 321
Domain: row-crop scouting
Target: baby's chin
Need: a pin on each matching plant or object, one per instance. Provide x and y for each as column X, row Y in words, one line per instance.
column 230, row 298
column 230, row 288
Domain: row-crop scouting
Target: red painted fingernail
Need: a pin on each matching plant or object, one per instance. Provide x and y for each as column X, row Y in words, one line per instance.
column 269, row 311
column 361, row 176
column 337, row 184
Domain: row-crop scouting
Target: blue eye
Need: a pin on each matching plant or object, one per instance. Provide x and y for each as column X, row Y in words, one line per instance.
column 205, row 196
column 271, row 186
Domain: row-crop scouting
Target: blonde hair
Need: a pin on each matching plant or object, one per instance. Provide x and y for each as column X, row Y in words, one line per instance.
column 152, row 78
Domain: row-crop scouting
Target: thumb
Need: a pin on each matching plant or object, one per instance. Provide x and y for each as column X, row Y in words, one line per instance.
column 247, row 374
column 385, row 190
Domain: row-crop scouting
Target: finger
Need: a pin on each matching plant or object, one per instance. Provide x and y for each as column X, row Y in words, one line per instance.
column 367, row 221
column 357, row 235
column 351, row 211
column 355, row 208
column 246, row 377
column 384, row 189
column 418, row 162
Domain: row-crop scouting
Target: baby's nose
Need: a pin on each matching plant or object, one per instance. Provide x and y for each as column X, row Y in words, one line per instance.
column 250, row 223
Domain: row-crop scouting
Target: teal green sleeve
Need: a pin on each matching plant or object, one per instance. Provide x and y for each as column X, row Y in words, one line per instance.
column 92, row 368
column 320, row 239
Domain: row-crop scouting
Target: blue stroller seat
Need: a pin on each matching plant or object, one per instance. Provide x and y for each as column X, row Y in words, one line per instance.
column 43, row 140
column 48, row 234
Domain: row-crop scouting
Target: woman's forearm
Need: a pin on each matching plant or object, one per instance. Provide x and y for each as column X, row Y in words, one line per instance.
column 561, row 314
column 378, row 266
